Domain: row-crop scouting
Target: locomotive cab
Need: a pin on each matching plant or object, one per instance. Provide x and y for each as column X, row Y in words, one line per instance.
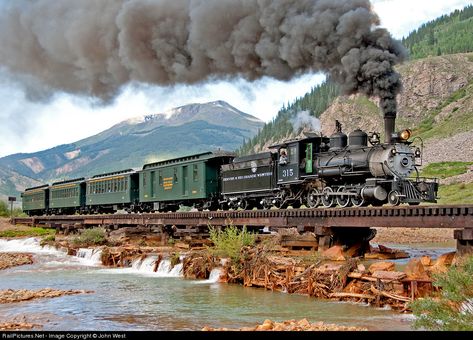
column 296, row 158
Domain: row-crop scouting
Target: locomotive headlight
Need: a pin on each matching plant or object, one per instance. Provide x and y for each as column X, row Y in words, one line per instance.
column 406, row 134
column 418, row 153
column 394, row 152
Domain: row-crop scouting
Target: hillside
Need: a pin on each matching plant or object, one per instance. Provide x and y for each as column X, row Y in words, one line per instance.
column 11, row 183
column 436, row 100
column 449, row 34
column 185, row 130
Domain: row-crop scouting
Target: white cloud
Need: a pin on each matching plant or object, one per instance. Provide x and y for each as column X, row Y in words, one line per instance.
column 401, row 17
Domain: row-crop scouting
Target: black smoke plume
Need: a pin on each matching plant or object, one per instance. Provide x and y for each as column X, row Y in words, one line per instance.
column 95, row 47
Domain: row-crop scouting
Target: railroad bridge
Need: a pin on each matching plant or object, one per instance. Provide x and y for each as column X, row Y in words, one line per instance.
column 348, row 225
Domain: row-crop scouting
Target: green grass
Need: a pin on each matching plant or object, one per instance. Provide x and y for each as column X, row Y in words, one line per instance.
column 456, row 122
column 456, row 194
column 91, row 237
column 32, row 232
column 446, row 169
column 442, row 312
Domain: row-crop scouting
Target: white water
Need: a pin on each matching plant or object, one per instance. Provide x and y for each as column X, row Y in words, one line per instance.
column 90, row 257
column 147, row 267
column 85, row 257
column 177, row 304
column 29, row 245
column 214, row 276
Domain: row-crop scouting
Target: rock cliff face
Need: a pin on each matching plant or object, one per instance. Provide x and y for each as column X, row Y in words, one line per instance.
column 430, row 82
column 437, row 96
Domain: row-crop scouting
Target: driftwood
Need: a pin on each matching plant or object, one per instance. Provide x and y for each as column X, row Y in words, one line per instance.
column 352, row 295
column 390, row 295
column 261, row 268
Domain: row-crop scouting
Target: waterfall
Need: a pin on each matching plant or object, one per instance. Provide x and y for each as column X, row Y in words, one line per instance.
column 148, row 266
column 90, row 257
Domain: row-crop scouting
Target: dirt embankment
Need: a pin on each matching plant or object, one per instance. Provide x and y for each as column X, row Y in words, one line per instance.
column 5, row 225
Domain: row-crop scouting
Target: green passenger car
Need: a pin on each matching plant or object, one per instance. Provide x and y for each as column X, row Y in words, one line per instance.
column 110, row 192
column 190, row 181
column 35, row 201
column 67, row 197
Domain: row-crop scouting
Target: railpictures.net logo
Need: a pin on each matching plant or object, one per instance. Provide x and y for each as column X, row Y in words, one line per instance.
column 64, row 336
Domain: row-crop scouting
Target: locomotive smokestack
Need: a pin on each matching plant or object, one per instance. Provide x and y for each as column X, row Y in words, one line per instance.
column 389, row 107
column 389, row 128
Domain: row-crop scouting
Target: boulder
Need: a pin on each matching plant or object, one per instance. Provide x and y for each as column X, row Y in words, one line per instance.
column 382, row 266
column 416, row 271
column 334, row 254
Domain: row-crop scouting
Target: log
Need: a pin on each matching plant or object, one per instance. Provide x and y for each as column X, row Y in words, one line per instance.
column 352, row 295
column 390, row 295
column 389, row 275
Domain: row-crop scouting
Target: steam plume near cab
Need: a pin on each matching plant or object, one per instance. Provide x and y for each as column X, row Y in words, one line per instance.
column 95, row 47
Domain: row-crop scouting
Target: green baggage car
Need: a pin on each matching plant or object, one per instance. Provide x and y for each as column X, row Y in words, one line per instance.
column 192, row 181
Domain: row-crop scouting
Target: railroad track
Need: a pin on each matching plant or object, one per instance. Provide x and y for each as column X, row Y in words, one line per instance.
column 323, row 222
column 456, row 217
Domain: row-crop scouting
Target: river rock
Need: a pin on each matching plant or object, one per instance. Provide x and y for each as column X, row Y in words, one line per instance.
column 8, row 260
column 11, row 295
column 381, row 266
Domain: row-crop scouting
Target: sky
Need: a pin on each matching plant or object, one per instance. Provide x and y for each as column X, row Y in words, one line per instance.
column 29, row 126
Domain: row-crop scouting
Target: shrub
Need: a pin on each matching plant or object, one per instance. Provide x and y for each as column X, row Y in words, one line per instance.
column 229, row 241
column 175, row 259
column 452, row 310
column 5, row 210
column 48, row 239
column 91, row 237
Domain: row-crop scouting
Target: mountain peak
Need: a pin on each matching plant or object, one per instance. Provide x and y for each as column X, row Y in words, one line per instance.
column 216, row 112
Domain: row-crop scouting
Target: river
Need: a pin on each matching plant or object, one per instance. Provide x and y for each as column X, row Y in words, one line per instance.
column 139, row 299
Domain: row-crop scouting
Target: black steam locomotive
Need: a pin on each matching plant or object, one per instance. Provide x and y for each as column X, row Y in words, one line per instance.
column 319, row 171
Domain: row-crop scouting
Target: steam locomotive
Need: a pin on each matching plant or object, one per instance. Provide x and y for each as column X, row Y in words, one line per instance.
column 340, row 170
column 319, row 171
